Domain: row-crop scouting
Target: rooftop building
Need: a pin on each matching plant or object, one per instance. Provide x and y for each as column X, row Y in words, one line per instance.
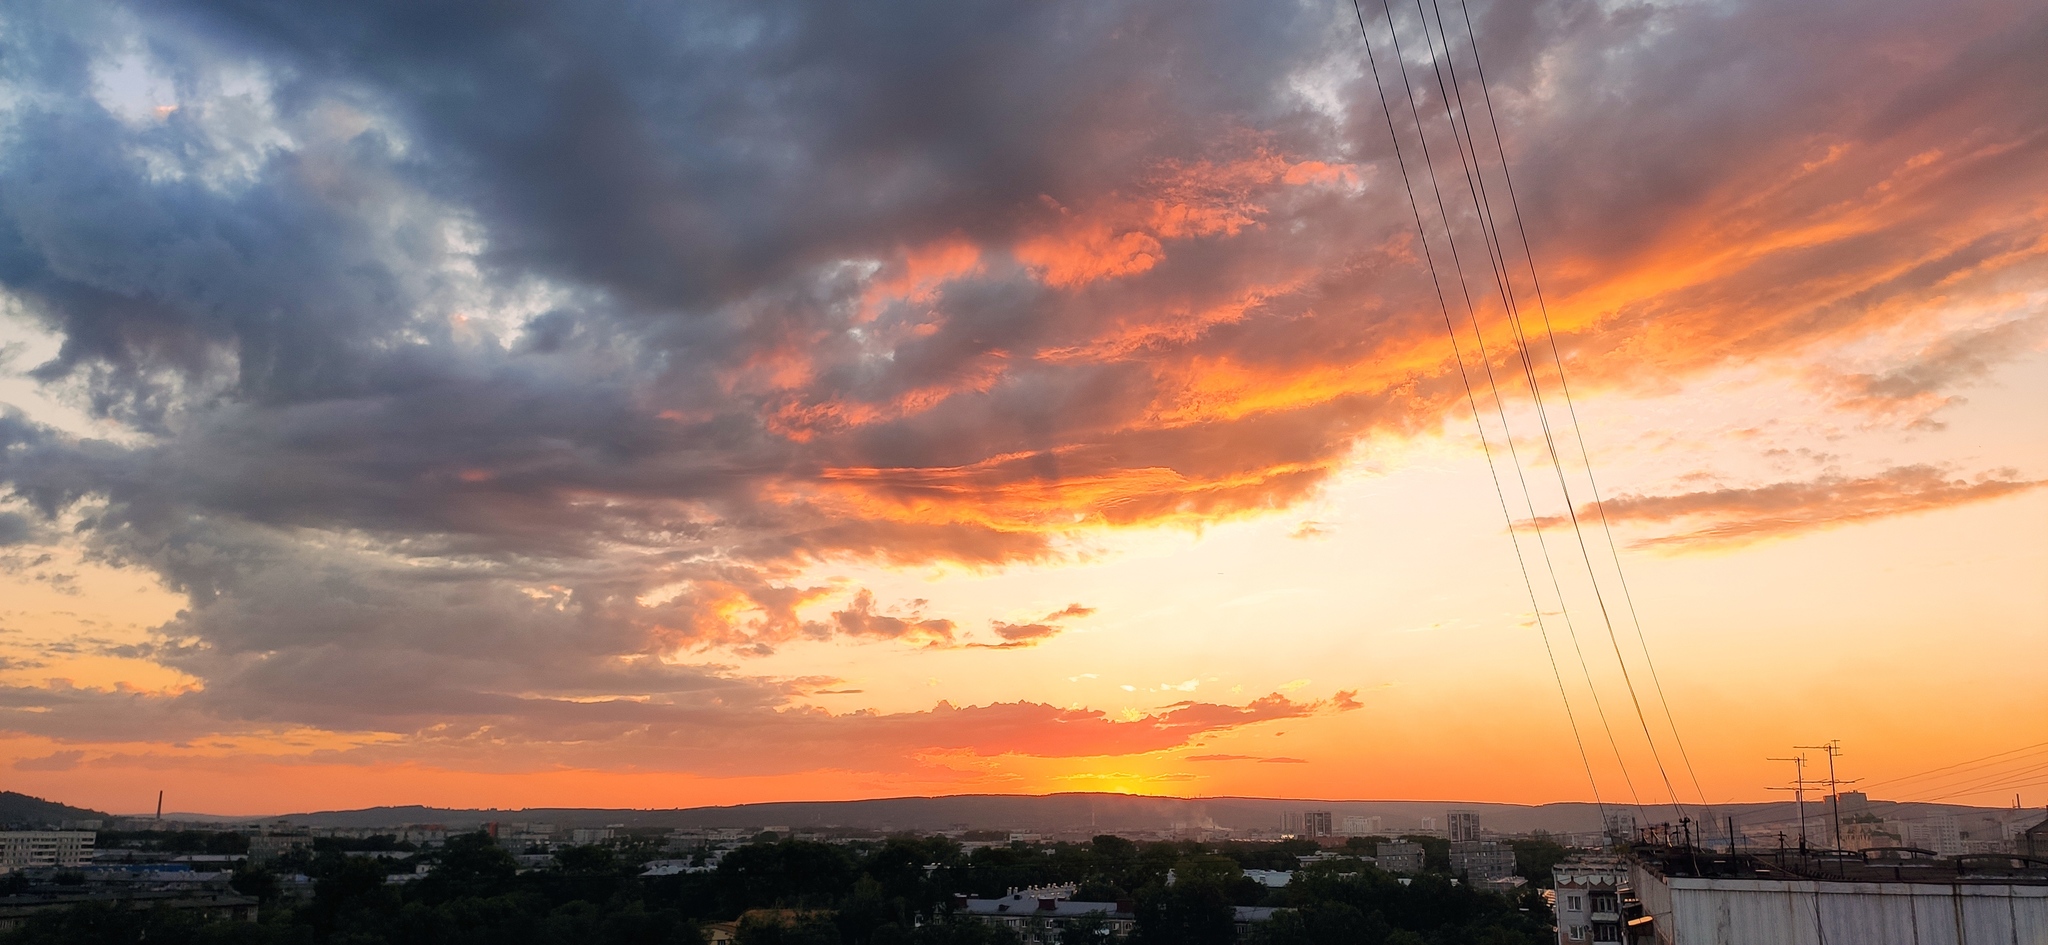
column 1588, row 891
column 1682, row 896
column 1044, row 921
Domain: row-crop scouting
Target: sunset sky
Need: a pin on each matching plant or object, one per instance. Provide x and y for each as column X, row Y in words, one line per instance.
column 658, row 405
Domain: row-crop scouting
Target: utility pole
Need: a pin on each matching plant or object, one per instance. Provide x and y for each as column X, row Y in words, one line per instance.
column 1834, row 750
column 1798, row 790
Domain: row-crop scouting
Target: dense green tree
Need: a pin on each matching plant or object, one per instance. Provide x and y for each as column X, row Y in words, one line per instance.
column 1535, row 856
column 1186, row 914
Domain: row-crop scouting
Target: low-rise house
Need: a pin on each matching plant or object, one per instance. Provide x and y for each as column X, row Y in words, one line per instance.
column 18, row 909
column 1045, row 920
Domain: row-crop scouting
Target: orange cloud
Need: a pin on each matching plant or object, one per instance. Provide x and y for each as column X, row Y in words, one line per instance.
column 1737, row 516
column 1016, row 635
column 1125, row 234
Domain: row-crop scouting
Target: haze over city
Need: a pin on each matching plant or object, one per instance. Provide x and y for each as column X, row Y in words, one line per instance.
column 533, row 406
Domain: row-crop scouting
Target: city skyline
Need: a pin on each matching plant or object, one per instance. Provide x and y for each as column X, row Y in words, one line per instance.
column 778, row 403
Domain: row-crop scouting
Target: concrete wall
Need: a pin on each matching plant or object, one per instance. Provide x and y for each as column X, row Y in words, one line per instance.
column 1772, row 912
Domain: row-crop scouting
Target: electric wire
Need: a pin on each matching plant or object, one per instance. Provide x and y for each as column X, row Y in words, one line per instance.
column 1986, row 782
column 1486, row 361
column 1571, row 407
column 1471, row 400
column 2001, row 788
column 1974, row 762
column 1482, row 208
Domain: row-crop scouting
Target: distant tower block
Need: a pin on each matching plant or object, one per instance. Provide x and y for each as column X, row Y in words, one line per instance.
column 1317, row 823
column 1619, row 825
column 1462, row 825
column 1356, row 826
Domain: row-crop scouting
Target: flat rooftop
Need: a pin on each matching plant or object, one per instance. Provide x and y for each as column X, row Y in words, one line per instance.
column 1896, row 865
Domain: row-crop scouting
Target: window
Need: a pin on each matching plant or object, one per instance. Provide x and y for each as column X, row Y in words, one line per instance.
column 1575, row 903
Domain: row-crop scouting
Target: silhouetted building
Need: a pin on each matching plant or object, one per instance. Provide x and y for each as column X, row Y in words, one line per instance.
column 1400, row 857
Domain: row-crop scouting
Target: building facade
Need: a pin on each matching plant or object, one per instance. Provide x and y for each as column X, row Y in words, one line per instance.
column 29, row 849
column 1589, row 890
column 1483, row 861
column 1400, row 857
column 1356, row 826
column 1461, row 825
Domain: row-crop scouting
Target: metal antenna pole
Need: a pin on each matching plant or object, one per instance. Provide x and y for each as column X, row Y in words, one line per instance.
column 1798, row 790
column 1834, row 750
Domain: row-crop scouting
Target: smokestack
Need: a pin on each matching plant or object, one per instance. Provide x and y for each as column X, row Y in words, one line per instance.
column 159, row 805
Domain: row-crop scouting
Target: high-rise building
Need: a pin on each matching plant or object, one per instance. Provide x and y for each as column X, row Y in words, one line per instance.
column 1317, row 823
column 1461, row 825
column 1619, row 825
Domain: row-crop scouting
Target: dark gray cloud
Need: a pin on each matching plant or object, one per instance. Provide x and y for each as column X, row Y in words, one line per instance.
column 485, row 371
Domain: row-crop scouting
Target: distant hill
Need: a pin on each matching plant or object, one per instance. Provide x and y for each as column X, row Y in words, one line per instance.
column 21, row 810
column 1107, row 812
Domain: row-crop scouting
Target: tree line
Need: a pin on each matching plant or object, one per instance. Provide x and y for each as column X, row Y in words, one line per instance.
column 892, row 891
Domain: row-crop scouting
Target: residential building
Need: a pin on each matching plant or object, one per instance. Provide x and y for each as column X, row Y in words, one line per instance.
column 2033, row 841
column 1461, row 825
column 265, row 847
column 1938, row 833
column 1400, row 857
column 27, row 849
column 585, row 836
column 1045, row 921
column 1316, row 823
column 17, row 910
column 1356, row 826
column 1619, row 825
column 1588, row 898
column 1486, row 861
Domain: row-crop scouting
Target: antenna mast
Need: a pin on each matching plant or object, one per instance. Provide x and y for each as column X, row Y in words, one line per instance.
column 1834, row 750
column 1798, row 790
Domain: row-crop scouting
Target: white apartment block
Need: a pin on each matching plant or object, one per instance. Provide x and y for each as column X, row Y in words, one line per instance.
column 27, row 849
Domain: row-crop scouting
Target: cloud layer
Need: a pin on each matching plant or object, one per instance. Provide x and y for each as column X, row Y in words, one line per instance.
column 493, row 377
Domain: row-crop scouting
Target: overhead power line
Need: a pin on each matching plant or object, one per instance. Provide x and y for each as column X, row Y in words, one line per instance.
column 1471, row 399
column 1564, row 386
column 1452, row 92
column 2029, row 749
